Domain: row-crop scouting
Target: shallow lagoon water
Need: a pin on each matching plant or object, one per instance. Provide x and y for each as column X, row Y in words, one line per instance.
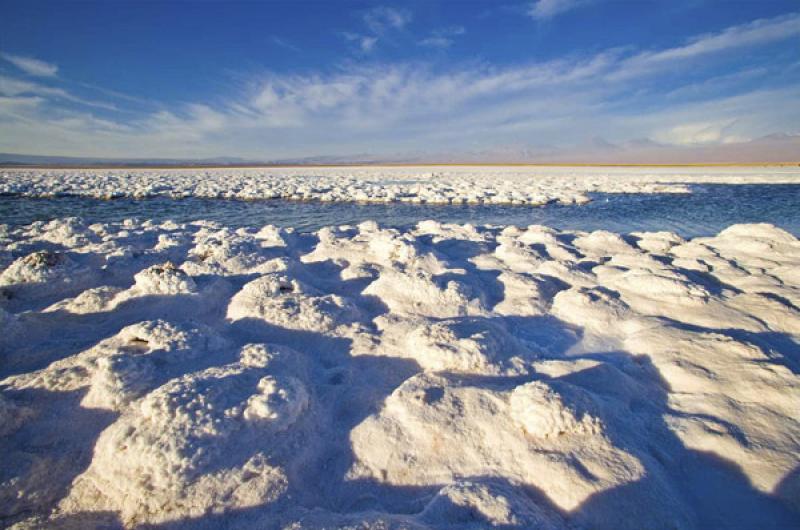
column 707, row 210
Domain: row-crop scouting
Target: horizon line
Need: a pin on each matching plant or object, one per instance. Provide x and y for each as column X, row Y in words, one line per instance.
column 391, row 164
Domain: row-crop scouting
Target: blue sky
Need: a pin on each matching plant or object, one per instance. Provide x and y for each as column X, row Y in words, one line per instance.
column 547, row 79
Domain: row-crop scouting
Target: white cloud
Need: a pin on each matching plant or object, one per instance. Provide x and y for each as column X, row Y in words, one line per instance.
column 547, row 9
column 367, row 43
column 442, row 38
column 379, row 19
column 758, row 32
column 285, row 44
column 31, row 66
column 698, row 133
column 15, row 87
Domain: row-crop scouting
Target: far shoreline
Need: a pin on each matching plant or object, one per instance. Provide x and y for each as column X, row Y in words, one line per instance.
column 393, row 164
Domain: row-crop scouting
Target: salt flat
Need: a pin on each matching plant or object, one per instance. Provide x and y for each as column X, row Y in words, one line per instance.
column 421, row 184
column 446, row 376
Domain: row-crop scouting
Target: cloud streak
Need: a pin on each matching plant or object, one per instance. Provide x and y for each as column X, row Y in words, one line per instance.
column 31, row 66
column 443, row 38
column 547, row 9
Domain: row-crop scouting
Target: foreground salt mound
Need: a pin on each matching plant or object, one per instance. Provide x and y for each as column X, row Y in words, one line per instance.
column 43, row 273
column 418, row 292
column 442, row 376
column 542, row 412
column 514, row 434
column 494, row 505
column 469, row 345
column 126, row 366
column 229, row 251
column 199, row 442
column 280, row 300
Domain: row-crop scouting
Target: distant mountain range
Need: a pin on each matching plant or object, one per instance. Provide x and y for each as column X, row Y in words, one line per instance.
column 774, row 148
column 15, row 159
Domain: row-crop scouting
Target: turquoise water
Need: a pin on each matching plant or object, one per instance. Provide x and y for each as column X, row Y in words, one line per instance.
column 706, row 211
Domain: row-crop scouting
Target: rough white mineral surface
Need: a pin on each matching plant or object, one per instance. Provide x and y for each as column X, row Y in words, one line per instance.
column 443, row 376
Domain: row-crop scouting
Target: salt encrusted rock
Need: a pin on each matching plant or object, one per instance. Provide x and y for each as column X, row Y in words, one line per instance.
column 39, row 267
column 190, row 445
column 124, row 367
column 597, row 310
column 119, row 379
column 542, row 412
column 379, row 247
column 89, row 301
column 520, row 257
column 281, row 300
column 417, row 292
column 526, row 294
column 69, row 232
column 278, row 402
column 469, row 345
column 603, row 243
column 410, row 443
column 657, row 242
column 226, row 251
column 493, row 505
column 164, row 279
column 272, row 236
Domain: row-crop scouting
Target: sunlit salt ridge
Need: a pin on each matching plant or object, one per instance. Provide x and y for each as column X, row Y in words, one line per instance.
column 431, row 185
column 443, row 376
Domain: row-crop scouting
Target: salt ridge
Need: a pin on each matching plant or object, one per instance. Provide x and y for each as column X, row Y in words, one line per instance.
column 440, row 185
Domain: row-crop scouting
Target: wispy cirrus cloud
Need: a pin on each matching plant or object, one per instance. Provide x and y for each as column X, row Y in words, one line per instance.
column 285, row 44
column 378, row 22
column 758, row 32
column 10, row 86
column 380, row 19
column 546, row 9
column 442, row 38
column 31, row 66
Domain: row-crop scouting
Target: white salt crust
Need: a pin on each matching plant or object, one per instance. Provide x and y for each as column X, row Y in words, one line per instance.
column 432, row 185
column 444, row 376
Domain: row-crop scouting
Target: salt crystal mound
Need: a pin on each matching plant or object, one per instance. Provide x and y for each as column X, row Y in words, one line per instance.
column 93, row 300
column 280, row 300
column 224, row 251
column 532, row 186
column 126, row 366
column 469, row 345
column 490, row 428
column 163, row 279
column 494, row 505
column 183, row 449
column 441, row 376
column 47, row 271
column 542, row 412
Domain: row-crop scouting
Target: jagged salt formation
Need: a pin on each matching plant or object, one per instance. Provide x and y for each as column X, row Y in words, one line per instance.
column 533, row 186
